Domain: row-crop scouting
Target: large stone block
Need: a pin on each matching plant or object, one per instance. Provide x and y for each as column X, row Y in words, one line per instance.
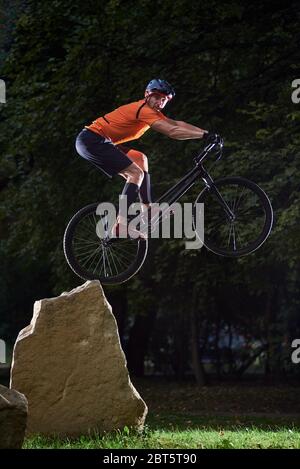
column 13, row 415
column 70, row 365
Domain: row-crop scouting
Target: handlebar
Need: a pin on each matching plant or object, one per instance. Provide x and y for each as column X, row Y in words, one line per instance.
column 212, row 137
column 215, row 141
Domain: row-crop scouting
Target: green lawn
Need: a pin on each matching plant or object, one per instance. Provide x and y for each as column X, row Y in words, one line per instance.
column 177, row 431
column 185, row 416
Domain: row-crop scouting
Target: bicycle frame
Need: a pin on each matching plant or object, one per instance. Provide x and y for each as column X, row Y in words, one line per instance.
column 182, row 186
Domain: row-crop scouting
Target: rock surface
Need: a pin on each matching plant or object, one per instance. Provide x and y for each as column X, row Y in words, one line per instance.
column 13, row 415
column 70, row 365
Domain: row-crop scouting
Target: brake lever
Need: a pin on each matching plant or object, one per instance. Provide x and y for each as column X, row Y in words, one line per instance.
column 211, row 145
column 220, row 153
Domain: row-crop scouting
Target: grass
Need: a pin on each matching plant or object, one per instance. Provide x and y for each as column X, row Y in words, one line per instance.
column 216, row 417
column 176, row 432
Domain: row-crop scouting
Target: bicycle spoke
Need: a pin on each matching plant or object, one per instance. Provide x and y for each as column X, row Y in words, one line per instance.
column 80, row 246
column 107, row 256
column 234, row 200
column 218, row 223
column 98, row 262
column 234, row 240
column 121, row 263
column 238, row 236
column 113, row 260
column 229, row 236
column 88, row 225
column 123, row 257
column 121, row 252
column 88, row 257
column 84, row 240
column 239, row 200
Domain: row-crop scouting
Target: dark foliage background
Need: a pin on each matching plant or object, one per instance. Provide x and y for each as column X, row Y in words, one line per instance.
column 232, row 64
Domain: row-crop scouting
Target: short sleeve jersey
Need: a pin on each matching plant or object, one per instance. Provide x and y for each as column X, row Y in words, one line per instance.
column 128, row 122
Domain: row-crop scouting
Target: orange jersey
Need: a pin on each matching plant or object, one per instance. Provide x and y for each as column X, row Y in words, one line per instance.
column 127, row 122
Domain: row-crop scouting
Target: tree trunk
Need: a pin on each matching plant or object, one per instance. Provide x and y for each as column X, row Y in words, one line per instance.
column 230, row 353
column 197, row 365
column 138, row 343
column 268, row 311
column 217, row 349
column 118, row 303
column 196, row 358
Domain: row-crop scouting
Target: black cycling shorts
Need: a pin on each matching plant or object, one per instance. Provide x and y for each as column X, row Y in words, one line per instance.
column 101, row 152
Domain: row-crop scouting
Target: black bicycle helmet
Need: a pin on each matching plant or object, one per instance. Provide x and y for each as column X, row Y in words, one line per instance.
column 162, row 86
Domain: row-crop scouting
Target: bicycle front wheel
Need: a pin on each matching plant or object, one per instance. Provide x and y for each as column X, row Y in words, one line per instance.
column 92, row 257
column 253, row 217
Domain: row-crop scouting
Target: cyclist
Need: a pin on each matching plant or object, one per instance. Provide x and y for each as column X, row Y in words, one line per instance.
column 101, row 142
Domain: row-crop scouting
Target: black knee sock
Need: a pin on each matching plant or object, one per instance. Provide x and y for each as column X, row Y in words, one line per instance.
column 145, row 189
column 131, row 191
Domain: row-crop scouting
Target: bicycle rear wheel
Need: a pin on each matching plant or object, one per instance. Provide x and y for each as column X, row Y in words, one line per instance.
column 91, row 257
column 253, row 217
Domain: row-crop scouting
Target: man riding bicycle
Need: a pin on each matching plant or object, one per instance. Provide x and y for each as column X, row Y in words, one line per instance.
column 101, row 142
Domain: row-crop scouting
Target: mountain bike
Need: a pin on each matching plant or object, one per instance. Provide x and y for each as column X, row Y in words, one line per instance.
column 238, row 220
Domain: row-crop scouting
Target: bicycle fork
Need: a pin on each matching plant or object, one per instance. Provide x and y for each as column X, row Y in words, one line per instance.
column 208, row 181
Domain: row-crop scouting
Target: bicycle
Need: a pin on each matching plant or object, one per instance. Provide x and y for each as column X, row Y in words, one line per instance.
column 238, row 220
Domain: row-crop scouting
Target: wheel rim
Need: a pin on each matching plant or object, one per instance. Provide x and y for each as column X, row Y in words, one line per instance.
column 241, row 235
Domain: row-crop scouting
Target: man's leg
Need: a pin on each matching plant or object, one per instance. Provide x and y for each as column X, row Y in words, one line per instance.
column 141, row 160
column 134, row 176
column 145, row 189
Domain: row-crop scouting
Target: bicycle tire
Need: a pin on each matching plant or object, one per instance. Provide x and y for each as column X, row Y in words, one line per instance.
column 265, row 204
column 133, row 268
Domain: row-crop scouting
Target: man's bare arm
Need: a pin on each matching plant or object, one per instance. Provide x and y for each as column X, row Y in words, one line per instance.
column 178, row 130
